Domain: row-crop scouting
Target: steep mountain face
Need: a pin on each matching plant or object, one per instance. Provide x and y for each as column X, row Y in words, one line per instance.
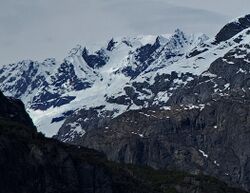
column 211, row 139
column 204, row 127
column 31, row 163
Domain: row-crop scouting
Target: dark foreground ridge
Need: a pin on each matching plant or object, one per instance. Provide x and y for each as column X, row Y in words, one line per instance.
column 29, row 162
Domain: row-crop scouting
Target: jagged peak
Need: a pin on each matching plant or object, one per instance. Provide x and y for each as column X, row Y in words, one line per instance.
column 25, row 62
column 202, row 36
column 49, row 62
column 77, row 50
column 177, row 39
column 199, row 38
column 179, row 33
column 111, row 44
column 130, row 41
column 162, row 40
column 140, row 40
column 76, row 53
column 23, row 65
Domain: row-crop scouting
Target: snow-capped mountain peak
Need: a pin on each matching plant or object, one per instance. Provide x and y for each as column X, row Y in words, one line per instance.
column 125, row 73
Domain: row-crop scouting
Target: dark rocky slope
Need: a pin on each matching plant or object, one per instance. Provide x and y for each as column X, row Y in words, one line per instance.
column 212, row 141
column 30, row 162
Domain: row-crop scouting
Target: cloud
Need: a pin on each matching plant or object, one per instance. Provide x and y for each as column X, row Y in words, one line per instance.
column 38, row 29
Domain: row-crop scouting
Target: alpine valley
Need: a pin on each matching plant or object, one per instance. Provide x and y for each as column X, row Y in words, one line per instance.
column 172, row 101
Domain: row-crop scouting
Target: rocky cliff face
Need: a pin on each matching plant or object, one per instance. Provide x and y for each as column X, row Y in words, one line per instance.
column 210, row 139
column 29, row 162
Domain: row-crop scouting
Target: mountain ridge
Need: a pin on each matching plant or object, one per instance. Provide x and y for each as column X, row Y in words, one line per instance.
column 49, row 85
column 125, row 74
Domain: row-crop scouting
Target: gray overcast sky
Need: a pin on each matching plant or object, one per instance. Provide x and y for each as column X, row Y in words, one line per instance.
column 38, row 29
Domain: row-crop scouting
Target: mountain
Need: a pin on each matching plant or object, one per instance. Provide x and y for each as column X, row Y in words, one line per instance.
column 154, row 86
column 32, row 163
column 90, row 87
column 169, row 101
column 201, row 128
column 106, row 79
column 204, row 126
